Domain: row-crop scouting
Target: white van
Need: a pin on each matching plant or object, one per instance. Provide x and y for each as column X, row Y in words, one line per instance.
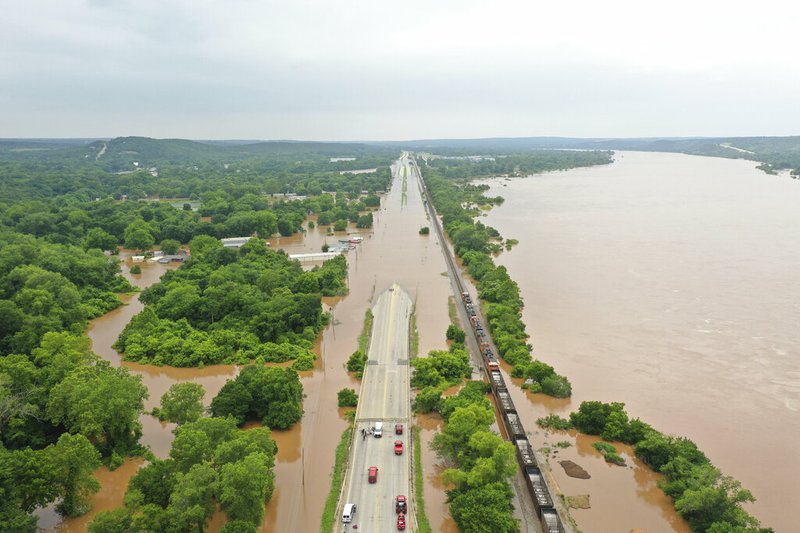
column 377, row 431
column 349, row 511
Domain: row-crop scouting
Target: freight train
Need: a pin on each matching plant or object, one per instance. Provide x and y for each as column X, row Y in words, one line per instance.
column 537, row 486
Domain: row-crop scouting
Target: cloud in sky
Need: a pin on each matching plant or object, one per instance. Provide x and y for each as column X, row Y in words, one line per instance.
column 392, row 70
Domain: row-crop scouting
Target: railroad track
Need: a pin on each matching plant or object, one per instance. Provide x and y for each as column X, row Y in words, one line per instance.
column 539, row 492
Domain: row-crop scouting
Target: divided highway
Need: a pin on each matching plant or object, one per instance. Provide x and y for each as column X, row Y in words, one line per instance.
column 384, row 398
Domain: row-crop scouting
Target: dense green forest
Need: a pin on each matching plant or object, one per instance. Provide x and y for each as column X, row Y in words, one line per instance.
column 229, row 305
column 65, row 209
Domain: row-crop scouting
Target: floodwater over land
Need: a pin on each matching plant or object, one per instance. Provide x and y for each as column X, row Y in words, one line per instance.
column 391, row 252
column 671, row 283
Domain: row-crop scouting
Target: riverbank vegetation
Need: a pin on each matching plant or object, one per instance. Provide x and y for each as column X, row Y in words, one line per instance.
column 342, row 452
column 480, row 499
column 706, row 498
column 459, row 203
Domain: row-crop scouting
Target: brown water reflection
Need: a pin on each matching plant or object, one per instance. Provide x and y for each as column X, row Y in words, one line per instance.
column 112, row 489
column 668, row 282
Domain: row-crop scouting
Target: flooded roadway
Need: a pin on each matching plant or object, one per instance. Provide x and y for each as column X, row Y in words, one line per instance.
column 392, row 251
column 671, row 283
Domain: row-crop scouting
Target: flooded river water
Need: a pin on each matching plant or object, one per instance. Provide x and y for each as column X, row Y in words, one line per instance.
column 391, row 252
column 671, row 283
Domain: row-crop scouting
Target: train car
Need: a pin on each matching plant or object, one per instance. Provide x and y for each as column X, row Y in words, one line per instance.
column 506, row 404
column 497, row 380
column 515, row 427
column 551, row 523
column 525, row 453
column 536, row 484
column 465, row 296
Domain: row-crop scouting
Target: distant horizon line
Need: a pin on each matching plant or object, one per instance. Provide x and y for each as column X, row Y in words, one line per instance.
column 430, row 139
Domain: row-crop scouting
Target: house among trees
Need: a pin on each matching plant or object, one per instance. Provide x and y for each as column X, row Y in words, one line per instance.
column 234, row 242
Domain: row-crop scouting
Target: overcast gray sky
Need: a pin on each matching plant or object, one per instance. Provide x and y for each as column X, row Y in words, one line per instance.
column 410, row 69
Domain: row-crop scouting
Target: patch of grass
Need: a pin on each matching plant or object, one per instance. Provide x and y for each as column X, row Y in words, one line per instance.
column 553, row 421
column 366, row 332
column 329, row 513
column 419, row 486
column 563, row 444
column 451, row 309
column 609, row 453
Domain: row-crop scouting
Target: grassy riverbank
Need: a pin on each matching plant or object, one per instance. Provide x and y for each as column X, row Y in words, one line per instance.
column 423, row 524
column 329, row 512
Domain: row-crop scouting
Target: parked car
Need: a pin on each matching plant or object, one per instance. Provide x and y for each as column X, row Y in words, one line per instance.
column 398, row 447
column 400, row 504
column 398, row 429
column 372, row 474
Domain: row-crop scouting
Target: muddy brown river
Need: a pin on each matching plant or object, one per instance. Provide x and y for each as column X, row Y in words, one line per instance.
column 392, row 251
column 671, row 283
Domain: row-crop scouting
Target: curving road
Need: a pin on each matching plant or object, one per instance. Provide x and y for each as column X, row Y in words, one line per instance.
column 384, row 398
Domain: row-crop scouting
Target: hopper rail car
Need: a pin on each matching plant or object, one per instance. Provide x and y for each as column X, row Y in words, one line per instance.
column 539, row 492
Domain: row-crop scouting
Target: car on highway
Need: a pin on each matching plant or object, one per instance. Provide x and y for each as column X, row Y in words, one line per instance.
column 398, row 447
column 398, row 429
column 348, row 512
column 400, row 504
column 372, row 474
column 401, row 522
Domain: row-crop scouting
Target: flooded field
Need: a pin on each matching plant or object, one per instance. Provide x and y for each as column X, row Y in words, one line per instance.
column 392, row 252
column 668, row 282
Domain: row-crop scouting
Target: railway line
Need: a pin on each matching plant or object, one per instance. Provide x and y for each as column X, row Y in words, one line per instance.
column 538, row 490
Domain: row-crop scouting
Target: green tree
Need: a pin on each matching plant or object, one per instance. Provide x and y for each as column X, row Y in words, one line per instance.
column 239, row 526
column 192, row 501
column 347, row 398
column 100, row 239
column 232, row 400
column 246, row 442
column 182, row 403
column 170, row 246
column 455, row 333
column 461, row 425
column 154, row 483
column 118, row 520
column 716, row 503
column 245, row 486
column 190, row 447
column 139, row 236
column 484, row 509
column 73, row 460
column 357, row 361
column 26, row 482
column 428, row 399
column 101, row 402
